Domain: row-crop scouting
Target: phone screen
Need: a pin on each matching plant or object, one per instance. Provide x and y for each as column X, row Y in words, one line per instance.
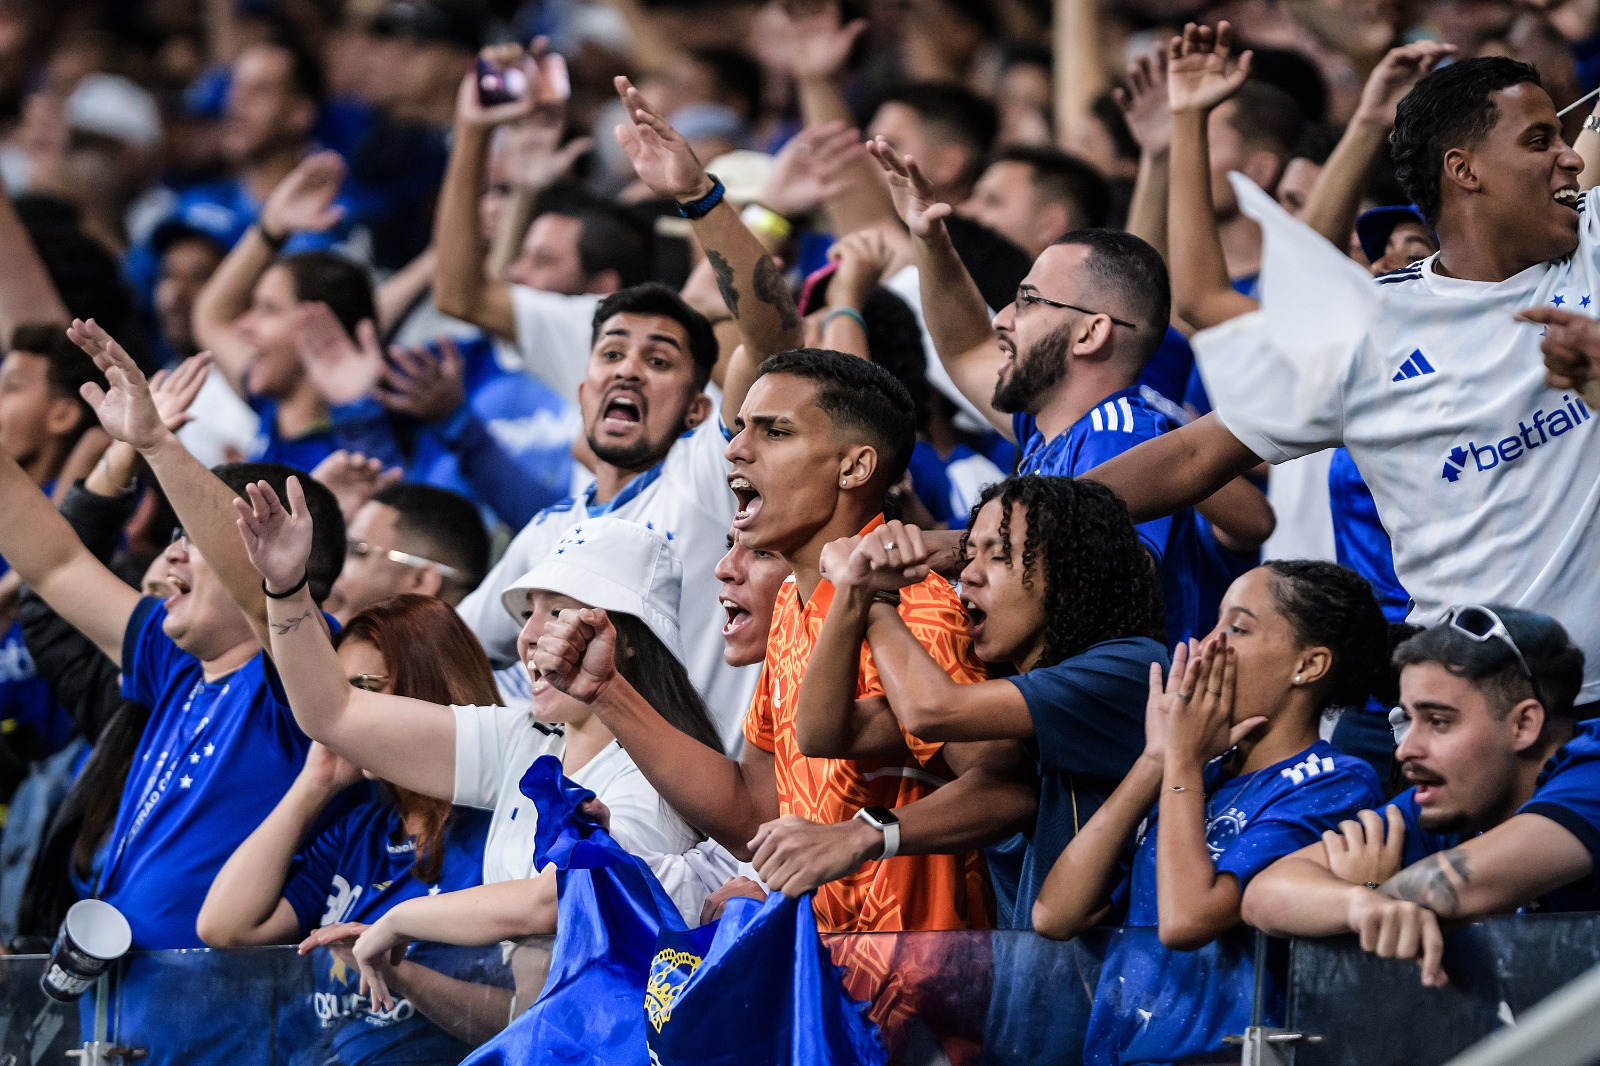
column 500, row 86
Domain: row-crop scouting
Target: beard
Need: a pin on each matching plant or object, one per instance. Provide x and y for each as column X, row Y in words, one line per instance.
column 1036, row 372
column 640, row 455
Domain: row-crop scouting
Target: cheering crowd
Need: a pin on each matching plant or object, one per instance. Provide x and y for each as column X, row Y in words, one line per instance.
column 964, row 484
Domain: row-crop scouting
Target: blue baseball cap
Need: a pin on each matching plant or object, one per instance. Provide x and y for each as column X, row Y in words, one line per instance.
column 1374, row 226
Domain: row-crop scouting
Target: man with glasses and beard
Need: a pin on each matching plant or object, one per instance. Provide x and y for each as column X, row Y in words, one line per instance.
column 1504, row 808
column 1057, row 371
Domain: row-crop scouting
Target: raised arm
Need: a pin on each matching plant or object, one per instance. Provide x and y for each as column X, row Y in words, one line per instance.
column 1080, row 71
column 303, row 201
column 246, row 905
column 410, row 743
column 203, row 502
column 750, row 280
column 26, row 292
column 957, row 318
column 1201, row 74
column 1336, row 197
column 1177, row 469
column 726, row 799
column 461, row 287
column 43, row 550
column 820, row 45
column 1149, row 117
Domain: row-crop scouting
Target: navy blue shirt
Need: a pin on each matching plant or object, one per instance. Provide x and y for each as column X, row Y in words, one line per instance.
column 1088, row 725
column 1158, row 1005
column 356, row 870
column 214, row 760
column 1359, row 539
column 1122, row 421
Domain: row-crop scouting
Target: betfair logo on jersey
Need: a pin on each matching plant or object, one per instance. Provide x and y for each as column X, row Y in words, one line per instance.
column 1535, row 432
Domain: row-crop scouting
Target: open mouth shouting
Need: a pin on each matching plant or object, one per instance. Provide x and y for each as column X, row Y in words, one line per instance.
column 738, row 617
column 623, row 410
column 749, row 498
column 176, row 587
column 977, row 618
column 1568, row 197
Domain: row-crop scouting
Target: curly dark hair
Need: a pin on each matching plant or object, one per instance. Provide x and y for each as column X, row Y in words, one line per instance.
column 1099, row 582
column 1453, row 107
column 1333, row 607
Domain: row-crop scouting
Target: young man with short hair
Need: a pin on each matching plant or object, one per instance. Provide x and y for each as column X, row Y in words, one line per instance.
column 1504, row 807
column 1460, row 461
column 822, row 435
column 1034, row 195
column 410, row 538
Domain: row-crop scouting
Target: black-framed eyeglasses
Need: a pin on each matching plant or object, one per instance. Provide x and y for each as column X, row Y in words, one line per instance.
column 1027, row 296
column 1483, row 625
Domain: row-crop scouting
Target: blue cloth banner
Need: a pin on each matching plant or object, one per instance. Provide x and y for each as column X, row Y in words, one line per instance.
column 630, row 984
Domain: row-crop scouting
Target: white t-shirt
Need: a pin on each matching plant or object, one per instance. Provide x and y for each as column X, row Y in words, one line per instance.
column 494, row 748
column 1486, row 479
column 553, row 336
column 687, row 497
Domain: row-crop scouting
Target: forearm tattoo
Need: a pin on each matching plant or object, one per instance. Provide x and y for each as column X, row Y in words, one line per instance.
column 1435, row 882
column 770, row 289
column 282, row 628
column 723, row 272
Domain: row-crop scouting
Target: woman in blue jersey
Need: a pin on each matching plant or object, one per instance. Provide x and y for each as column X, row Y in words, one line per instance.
column 290, row 877
column 1233, row 777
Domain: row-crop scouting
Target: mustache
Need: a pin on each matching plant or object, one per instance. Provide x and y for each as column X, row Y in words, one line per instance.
column 1420, row 775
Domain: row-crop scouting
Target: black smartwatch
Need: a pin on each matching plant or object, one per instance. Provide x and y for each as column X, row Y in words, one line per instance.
column 883, row 820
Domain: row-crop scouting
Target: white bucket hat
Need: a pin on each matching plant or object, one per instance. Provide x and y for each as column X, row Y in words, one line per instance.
column 619, row 566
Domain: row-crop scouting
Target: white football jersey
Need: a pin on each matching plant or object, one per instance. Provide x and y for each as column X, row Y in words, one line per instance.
column 1487, row 480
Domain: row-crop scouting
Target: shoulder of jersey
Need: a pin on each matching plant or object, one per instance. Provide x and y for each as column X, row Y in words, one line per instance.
column 1126, row 414
column 1314, row 765
column 1405, row 273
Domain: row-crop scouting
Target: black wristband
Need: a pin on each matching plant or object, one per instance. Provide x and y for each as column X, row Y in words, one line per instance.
column 287, row 593
column 275, row 244
column 695, row 209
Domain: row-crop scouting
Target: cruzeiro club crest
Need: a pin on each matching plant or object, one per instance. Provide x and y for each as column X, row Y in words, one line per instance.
column 670, row 970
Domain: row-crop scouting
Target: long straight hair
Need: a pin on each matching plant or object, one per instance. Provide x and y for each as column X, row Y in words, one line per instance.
column 430, row 655
column 658, row 676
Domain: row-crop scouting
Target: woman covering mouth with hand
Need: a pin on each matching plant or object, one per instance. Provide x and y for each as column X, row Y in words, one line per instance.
column 1056, row 586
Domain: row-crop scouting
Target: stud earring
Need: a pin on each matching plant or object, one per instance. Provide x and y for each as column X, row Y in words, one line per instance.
column 1297, row 679
column 842, row 483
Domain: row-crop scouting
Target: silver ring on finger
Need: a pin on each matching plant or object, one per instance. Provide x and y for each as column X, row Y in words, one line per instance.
column 888, row 546
column 1186, row 695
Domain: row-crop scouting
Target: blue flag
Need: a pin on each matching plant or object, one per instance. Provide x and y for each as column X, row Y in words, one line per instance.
column 631, row 985
column 756, row 988
column 610, row 909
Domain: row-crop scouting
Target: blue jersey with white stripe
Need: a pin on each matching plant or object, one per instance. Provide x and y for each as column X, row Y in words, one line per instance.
column 1122, row 421
column 1359, row 539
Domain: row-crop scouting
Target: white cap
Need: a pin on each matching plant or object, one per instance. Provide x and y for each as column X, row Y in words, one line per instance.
column 619, row 566
column 112, row 106
column 744, row 174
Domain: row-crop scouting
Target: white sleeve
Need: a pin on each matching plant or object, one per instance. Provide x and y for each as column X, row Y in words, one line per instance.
column 692, row 876
column 1258, row 392
column 482, row 610
column 553, row 336
column 483, row 739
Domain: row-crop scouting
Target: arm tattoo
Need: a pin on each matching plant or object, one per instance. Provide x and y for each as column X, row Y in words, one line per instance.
column 1434, row 883
column 770, row 289
column 292, row 624
column 723, row 272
